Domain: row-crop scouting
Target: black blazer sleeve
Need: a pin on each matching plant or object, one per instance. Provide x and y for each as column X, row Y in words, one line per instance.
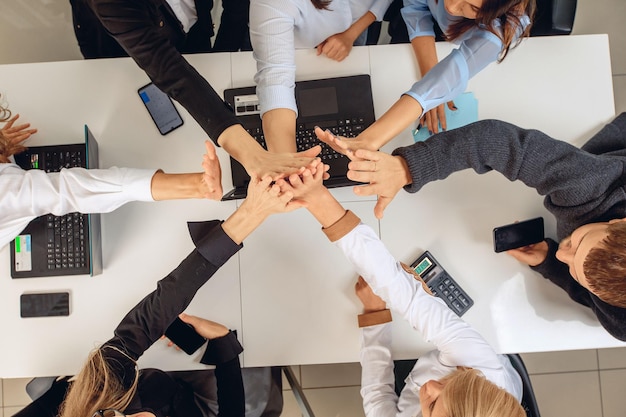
column 141, row 28
column 224, row 353
column 147, row 321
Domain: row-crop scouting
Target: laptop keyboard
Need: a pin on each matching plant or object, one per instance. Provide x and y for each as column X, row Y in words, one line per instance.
column 306, row 138
column 66, row 235
column 66, row 241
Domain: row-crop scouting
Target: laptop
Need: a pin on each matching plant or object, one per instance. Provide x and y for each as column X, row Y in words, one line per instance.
column 343, row 105
column 59, row 245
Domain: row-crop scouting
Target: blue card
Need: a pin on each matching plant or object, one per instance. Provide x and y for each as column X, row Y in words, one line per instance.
column 466, row 113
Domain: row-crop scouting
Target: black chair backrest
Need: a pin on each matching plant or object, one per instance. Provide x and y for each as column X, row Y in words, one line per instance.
column 529, row 402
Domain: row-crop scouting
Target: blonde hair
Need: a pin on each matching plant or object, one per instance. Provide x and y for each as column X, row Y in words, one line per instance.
column 97, row 386
column 467, row 393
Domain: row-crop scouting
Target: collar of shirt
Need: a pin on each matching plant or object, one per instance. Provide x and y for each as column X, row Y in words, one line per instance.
column 185, row 11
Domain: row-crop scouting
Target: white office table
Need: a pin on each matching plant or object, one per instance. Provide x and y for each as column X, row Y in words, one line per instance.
column 289, row 293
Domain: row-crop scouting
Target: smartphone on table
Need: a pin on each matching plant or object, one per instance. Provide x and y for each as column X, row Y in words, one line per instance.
column 184, row 336
column 517, row 235
column 161, row 108
column 49, row 304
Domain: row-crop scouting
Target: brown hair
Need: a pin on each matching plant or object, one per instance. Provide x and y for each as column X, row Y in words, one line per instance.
column 321, row 4
column 605, row 266
column 507, row 12
column 97, row 387
column 467, row 393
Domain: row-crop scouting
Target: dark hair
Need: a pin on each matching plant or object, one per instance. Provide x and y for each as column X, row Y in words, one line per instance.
column 321, row 4
column 507, row 12
column 605, row 266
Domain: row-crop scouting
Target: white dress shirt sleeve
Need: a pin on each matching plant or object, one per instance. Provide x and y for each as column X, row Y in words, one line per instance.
column 32, row 193
column 377, row 377
column 458, row 344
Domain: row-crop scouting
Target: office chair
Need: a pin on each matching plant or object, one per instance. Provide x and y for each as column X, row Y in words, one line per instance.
column 528, row 396
column 554, row 17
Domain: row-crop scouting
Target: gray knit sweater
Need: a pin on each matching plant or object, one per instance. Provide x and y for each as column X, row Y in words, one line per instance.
column 580, row 185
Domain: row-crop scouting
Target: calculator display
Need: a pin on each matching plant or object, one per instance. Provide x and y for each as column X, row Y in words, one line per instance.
column 423, row 266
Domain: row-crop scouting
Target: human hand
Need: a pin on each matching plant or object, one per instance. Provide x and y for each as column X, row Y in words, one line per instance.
column 212, row 176
column 205, row 328
column 304, row 186
column 336, row 47
column 371, row 302
column 11, row 138
column 265, row 198
column 341, row 144
column 279, row 165
column 386, row 175
column 437, row 116
column 531, row 255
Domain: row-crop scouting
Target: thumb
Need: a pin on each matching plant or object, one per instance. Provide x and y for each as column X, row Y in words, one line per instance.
column 381, row 205
column 192, row 320
column 311, row 152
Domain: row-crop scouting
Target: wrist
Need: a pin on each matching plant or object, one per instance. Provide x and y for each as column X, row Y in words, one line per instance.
column 238, row 143
column 241, row 223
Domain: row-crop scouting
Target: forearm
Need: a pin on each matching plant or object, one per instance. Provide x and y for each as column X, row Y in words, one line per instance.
column 360, row 25
column 238, row 143
column 241, row 223
column 133, row 26
column 176, row 186
column 404, row 112
column 425, row 53
column 325, row 208
column 377, row 379
column 147, row 321
column 279, row 128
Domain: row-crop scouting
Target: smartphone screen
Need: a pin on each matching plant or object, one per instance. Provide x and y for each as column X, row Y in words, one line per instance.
column 184, row 336
column 161, row 108
column 45, row 304
column 517, row 235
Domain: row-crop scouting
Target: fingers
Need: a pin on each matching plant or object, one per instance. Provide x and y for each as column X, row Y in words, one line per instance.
column 381, row 205
column 210, row 150
column 311, row 152
column 452, row 106
column 442, row 117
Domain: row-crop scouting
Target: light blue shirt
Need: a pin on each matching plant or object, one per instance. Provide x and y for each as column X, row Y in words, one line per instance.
column 279, row 27
column 477, row 49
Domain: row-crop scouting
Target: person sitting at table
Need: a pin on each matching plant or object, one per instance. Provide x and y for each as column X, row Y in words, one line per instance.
column 584, row 189
column 277, row 29
column 150, row 33
column 28, row 194
column 463, row 376
column 484, row 29
column 110, row 383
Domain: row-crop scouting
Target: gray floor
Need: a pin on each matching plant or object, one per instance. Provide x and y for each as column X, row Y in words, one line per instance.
column 587, row 383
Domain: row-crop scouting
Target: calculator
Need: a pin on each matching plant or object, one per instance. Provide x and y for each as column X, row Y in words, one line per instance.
column 441, row 283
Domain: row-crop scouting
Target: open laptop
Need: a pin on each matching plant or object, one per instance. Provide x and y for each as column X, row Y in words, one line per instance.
column 59, row 245
column 343, row 105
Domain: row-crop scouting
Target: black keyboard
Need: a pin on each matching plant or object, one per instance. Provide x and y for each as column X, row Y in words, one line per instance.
column 306, row 137
column 67, row 234
column 66, row 243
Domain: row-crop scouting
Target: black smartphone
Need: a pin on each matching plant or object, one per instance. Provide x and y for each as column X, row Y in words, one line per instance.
column 184, row 336
column 517, row 235
column 48, row 304
column 441, row 284
column 161, row 108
